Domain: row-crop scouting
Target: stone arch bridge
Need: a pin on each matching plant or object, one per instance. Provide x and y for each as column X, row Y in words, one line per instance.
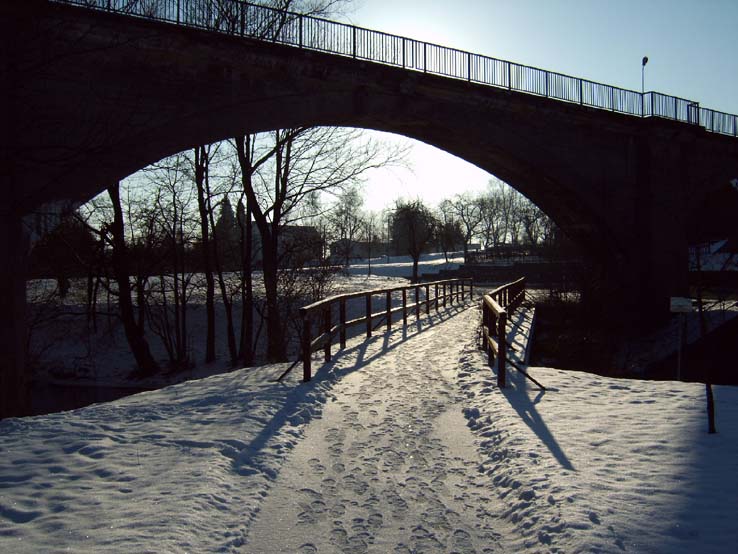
column 92, row 95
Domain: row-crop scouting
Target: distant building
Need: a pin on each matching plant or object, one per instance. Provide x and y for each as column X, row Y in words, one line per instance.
column 298, row 244
column 353, row 249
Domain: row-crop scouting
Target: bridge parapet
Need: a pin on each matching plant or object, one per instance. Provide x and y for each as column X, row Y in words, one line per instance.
column 253, row 21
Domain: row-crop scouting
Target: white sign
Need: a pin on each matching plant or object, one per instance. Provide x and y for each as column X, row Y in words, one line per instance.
column 680, row 304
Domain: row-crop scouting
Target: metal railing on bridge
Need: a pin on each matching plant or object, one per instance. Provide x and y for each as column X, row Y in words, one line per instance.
column 244, row 19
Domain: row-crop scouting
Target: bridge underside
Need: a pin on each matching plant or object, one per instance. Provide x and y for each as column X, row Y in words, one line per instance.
column 93, row 97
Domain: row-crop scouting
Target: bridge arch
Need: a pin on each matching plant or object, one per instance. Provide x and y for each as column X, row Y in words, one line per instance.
column 96, row 96
column 191, row 87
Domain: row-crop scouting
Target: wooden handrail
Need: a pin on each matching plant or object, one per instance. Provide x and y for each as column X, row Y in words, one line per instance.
column 497, row 305
column 360, row 294
column 322, row 311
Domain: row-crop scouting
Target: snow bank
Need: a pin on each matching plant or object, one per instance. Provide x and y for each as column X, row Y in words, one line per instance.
column 595, row 464
column 182, row 469
column 402, row 266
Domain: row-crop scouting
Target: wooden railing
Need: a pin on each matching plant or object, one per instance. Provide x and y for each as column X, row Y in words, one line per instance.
column 496, row 306
column 434, row 295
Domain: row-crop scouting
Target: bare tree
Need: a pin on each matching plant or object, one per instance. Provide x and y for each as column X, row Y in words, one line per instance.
column 370, row 235
column 298, row 164
column 414, row 228
column 201, row 166
column 467, row 212
column 246, row 243
column 345, row 223
column 450, row 236
column 134, row 333
column 173, row 210
column 491, row 228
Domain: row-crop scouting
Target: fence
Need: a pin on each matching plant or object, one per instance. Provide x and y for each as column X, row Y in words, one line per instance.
column 322, row 313
column 234, row 17
column 496, row 305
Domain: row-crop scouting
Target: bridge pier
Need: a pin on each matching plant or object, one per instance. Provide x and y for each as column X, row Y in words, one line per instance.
column 658, row 240
column 14, row 246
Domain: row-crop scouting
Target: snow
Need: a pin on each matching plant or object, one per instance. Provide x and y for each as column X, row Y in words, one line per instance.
column 402, row 266
column 103, row 359
column 713, row 256
column 401, row 444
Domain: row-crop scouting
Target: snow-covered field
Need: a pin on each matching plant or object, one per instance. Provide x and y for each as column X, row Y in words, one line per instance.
column 403, row 444
column 402, row 266
column 64, row 351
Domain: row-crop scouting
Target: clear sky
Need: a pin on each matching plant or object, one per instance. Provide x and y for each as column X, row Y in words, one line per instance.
column 692, row 48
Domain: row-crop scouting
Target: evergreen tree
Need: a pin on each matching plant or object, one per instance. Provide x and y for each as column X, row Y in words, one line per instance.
column 227, row 234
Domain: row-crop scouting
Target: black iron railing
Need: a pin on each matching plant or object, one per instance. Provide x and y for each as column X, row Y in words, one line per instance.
column 234, row 17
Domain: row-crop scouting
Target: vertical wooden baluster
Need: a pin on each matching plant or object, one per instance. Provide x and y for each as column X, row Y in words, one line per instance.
column 502, row 349
column 342, row 317
column 417, row 302
column 389, row 311
column 306, row 340
column 327, row 332
column 404, row 307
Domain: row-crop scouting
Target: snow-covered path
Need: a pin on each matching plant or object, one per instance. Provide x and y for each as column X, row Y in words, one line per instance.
column 391, row 465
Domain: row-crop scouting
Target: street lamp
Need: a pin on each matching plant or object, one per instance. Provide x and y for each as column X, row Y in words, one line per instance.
column 643, row 85
column 643, row 74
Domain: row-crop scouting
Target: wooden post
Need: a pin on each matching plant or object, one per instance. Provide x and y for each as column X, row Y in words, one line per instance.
column 521, row 294
column 342, row 317
column 427, row 299
column 306, row 340
column 417, row 302
column 444, row 295
column 327, row 332
column 488, row 347
column 501, row 349
column 491, row 328
column 368, row 315
column 471, row 289
column 436, row 297
column 389, row 311
column 404, row 307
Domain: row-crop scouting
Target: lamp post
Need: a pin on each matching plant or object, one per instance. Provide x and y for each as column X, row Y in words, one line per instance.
column 644, row 61
column 643, row 74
